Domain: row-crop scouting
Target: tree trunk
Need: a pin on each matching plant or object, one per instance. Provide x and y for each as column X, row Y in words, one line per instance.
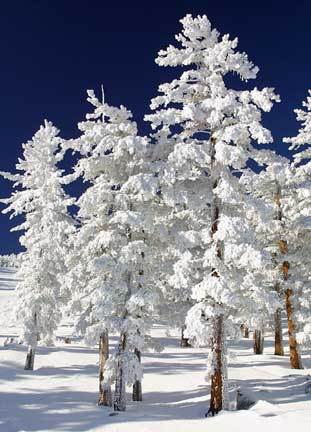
column 30, row 358
column 217, row 378
column 104, row 398
column 278, row 336
column 295, row 360
column 224, row 368
column 184, row 342
column 216, row 401
column 245, row 331
column 120, row 390
column 137, row 390
column 258, row 342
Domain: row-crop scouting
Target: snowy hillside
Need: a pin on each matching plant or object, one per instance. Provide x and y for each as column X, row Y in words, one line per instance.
column 7, row 285
column 61, row 393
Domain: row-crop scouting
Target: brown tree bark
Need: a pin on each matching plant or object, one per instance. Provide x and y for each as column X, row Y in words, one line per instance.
column 104, row 398
column 295, row 359
column 245, row 331
column 137, row 389
column 217, row 378
column 120, row 388
column 278, row 336
column 216, row 401
column 258, row 342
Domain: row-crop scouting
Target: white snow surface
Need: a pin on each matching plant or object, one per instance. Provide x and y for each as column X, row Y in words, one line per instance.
column 61, row 393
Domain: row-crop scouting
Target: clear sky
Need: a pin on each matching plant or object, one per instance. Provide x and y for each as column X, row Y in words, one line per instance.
column 52, row 51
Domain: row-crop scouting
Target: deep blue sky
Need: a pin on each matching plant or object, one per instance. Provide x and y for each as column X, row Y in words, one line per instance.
column 52, row 51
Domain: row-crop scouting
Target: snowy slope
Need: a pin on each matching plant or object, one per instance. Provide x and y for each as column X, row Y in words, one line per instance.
column 7, row 286
column 61, row 394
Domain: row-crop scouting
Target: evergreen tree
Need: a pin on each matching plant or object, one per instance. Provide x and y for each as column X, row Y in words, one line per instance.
column 270, row 186
column 205, row 132
column 113, row 246
column 40, row 198
column 298, row 206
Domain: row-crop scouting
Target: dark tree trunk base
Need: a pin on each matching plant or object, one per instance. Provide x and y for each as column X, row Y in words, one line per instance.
column 278, row 337
column 137, row 392
column 137, row 395
column 104, row 398
column 216, row 379
column 30, row 359
column 120, row 393
column 295, row 359
column 184, row 342
column 245, row 332
column 258, row 342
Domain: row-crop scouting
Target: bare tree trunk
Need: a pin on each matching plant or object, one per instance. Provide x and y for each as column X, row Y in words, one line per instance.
column 31, row 352
column 245, row 331
column 278, row 336
column 184, row 342
column 295, row 359
column 137, row 390
column 30, row 358
column 217, row 378
column 224, row 366
column 104, row 398
column 120, row 390
column 216, row 401
column 258, row 342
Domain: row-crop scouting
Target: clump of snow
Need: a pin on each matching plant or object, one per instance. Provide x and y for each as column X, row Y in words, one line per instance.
column 266, row 409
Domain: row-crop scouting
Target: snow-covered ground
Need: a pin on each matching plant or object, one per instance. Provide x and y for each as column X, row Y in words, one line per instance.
column 61, row 394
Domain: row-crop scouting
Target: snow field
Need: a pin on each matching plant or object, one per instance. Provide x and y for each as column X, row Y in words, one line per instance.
column 61, row 393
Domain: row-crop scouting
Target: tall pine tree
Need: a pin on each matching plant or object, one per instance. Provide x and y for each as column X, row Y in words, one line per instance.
column 206, row 133
column 40, row 198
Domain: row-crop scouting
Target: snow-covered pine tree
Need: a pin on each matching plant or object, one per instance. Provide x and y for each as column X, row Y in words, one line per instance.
column 285, row 237
column 186, row 240
column 206, row 131
column 117, row 293
column 298, row 292
column 79, row 283
column 40, row 198
column 270, row 186
column 168, row 237
column 12, row 260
